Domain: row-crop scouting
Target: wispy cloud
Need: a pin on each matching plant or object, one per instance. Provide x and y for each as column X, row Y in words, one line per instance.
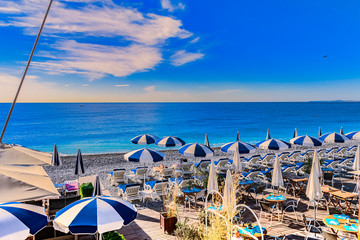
column 170, row 6
column 85, row 85
column 181, row 57
column 122, row 85
column 150, row 89
column 195, row 40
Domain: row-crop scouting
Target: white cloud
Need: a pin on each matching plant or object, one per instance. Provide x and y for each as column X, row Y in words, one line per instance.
column 95, row 60
column 150, row 89
column 195, row 40
column 168, row 5
column 85, row 85
column 181, row 57
column 122, row 85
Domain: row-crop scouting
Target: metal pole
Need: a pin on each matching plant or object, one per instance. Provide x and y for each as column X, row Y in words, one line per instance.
column 26, row 69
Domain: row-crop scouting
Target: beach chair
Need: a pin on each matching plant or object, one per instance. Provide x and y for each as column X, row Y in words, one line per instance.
column 331, row 152
column 268, row 159
column 187, row 168
column 129, row 192
column 294, row 156
column 331, row 163
column 155, row 189
column 138, row 175
column 341, row 152
column 283, row 157
column 222, row 165
column 72, row 186
column 351, row 151
column 166, row 173
column 253, row 175
column 253, row 161
column 305, row 155
column 117, row 176
column 203, row 165
column 288, row 169
column 300, row 167
column 322, row 153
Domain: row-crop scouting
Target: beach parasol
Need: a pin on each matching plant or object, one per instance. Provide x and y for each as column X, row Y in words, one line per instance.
column 169, row 142
column 144, row 155
column 341, row 130
column 212, row 181
column 319, row 133
column 295, row 133
column 92, row 215
column 313, row 189
column 306, row 141
column 228, row 194
column 273, row 144
column 79, row 166
column 277, row 178
column 144, row 139
column 241, row 146
column 237, row 163
column 334, row 138
column 196, row 150
column 18, row 220
column 97, row 187
column 356, row 164
column 353, row 135
column 56, row 160
column 238, row 137
column 25, row 183
column 268, row 135
column 206, row 143
column 18, row 155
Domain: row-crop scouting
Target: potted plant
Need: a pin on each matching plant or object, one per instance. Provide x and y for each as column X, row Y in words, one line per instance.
column 168, row 218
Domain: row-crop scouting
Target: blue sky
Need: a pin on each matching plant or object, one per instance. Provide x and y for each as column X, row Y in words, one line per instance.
column 178, row 50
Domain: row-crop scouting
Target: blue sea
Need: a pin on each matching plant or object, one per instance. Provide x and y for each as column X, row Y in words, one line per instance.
column 108, row 127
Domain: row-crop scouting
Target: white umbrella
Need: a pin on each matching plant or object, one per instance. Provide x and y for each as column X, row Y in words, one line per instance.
column 212, row 181
column 316, row 164
column 237, row 163
column 356, row 165
column 313, row 190
column 207, row 141
column 277, row 178
column 228, row 196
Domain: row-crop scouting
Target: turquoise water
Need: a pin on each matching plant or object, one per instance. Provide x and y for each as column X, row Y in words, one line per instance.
column 108, row 127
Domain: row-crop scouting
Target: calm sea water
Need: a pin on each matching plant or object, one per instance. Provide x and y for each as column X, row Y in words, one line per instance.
column 108, row 127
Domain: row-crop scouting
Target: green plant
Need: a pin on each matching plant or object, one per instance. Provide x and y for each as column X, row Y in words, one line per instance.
column 113, row 236
column 86, row 190
column 185, row 231
column 220, row 179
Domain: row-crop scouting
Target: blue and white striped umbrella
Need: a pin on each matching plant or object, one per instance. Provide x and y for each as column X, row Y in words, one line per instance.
column 18, row 220
column 273, row 144
column 242, row 146
column 353, row 135
column 169, row 142
column 144, row 155
column 79, row 165
column 334, row 138
column 144, row 139
column 94, row 214
column 306, row 141
column 196, row 150
column 56, row 160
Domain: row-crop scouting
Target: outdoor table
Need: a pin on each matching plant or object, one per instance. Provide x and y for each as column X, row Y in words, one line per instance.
column 277, row 199
column 337, row 196
column 244, row 231
column 191, row 192
column 338, row 223
column 297, row 183
column 327, row 190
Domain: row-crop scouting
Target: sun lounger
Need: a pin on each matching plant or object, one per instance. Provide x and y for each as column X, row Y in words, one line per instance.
column 203, row 164
column 322, row 153
column 166, row 173
column 283, row 157
column 155, row 189
column 288, row 168
column 222, row 165
column 187, row 168
column 138, row 174
column 129, row 192
column 294, row 156
column 71, row 187
column 330, row 153
column 351, row 151
column 253, row 161
column 117, row 176
column 268, row 160
column 341, row 152
column 308, row 153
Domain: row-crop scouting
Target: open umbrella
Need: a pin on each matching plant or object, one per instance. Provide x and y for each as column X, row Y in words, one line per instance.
column 228, row 194
column 353, row 135
column 92, row 215
column 306, row 141
column 212, row 181
column 206, row 143
column 18, row 220
column 268, row 135
column 242, row 147
column 277, row 178
column 79, row 166
column 144, row 155
column 196, row 150
column 237, row 163
column 334, row 138
column 295, row 133
column 56, row 160
column 313, row 189
column 169, row 142
column 144, row 139
column 273, row 144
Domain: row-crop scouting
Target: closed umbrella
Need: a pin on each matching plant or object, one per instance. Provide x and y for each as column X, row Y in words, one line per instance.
column 97, row 187
column 313, row 189
column 319, row 133
column 169, row 142
column 273, row 144
column 317, row 165
column 92, row 215
column 238, row 137
column 237, row 163
column 334, row 138
column 268, row 135
column 56, row 160
column 341, row 130
column 306, row 141
column 207, row 141
column 144, row 139
column 212, row 181
column 241, row 146
column 295, row 133
column 356, row 165
column 18, row 220
column 228, row 194
column 79, row 166
column 277, row 178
